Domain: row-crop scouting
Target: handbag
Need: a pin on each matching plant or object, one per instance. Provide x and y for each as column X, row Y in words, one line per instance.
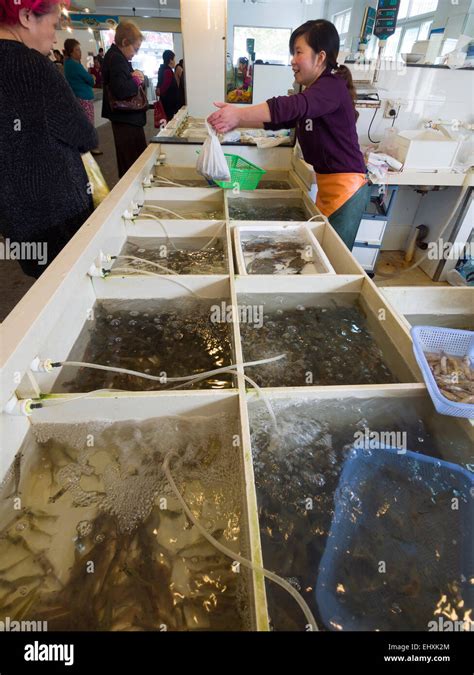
column 135, row 103
column 160, row 116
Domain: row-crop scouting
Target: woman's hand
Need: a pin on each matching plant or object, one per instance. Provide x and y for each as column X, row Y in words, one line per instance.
column 139, row 74
column 225, row 119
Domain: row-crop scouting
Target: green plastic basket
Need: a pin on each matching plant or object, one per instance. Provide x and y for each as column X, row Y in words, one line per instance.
column 242, row 172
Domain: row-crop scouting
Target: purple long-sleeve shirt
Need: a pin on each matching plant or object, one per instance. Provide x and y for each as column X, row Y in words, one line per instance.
column 325, row 124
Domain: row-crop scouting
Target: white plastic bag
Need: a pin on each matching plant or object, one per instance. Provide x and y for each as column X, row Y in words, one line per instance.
column 211, row 162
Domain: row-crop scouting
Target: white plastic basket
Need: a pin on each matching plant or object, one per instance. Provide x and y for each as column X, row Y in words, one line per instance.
column 450, row 341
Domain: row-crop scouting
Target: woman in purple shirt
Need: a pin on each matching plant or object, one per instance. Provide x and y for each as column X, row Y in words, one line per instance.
column 325, row 119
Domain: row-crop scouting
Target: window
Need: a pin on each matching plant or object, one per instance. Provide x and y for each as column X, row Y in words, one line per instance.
column 448, row 46
column 412, row 8
column 409, row 29
column 271, row 44
column 424, row 33
column 342, row 20
column 409, row 38
column 391, row 48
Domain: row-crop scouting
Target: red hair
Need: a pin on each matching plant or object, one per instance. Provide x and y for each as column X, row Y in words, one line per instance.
column 10, row 10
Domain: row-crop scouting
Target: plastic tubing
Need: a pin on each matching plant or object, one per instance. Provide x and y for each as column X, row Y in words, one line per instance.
column 235, row 556
column 146, row 376
column 203, row 248
column 148, row 262
column 153, row 217
column 163, row 179
column 48, row 402
column 258, row 389
column 162, row 208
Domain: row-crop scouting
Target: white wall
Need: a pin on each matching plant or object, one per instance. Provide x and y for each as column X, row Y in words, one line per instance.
column 452, row 17
column 178, row 46
column 425, row 94
column 357, row 6
column 271, row 81
column 203, row 28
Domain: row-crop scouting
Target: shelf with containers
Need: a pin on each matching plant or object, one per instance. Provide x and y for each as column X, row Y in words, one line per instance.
column 369, row 238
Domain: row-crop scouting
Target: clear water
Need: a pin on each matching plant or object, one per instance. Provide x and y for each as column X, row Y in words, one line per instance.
column 304, row 461
column 458, row 321
column 176, row 337
column 183, row 256
column 279, row 253
column 191, row 210
column 329, row 344
column 111, row 505
column 267, row 209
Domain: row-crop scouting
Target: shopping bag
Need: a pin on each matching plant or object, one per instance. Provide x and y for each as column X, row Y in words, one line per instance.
column 160, row 115
column 97, row 182
column 211, row 162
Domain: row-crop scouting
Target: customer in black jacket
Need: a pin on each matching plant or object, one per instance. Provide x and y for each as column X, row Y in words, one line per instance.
column 167, row 88
column 122, row 81
column 45, row 195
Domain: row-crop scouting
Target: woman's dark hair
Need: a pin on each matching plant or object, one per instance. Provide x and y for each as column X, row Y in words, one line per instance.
column 322, row 35
column 69, row 46
column 168, row 56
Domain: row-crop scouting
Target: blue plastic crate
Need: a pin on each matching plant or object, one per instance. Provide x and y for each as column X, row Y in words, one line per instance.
column 396, row 508
column 450, row 341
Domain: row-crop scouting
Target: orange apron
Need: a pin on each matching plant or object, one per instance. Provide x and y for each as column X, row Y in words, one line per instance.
column 334, row 189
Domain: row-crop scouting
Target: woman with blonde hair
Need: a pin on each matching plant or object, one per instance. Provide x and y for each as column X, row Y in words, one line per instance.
column 121, row 82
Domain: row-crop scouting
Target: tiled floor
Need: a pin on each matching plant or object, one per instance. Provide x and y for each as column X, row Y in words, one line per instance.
column 392, row 262
column 108, row 161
